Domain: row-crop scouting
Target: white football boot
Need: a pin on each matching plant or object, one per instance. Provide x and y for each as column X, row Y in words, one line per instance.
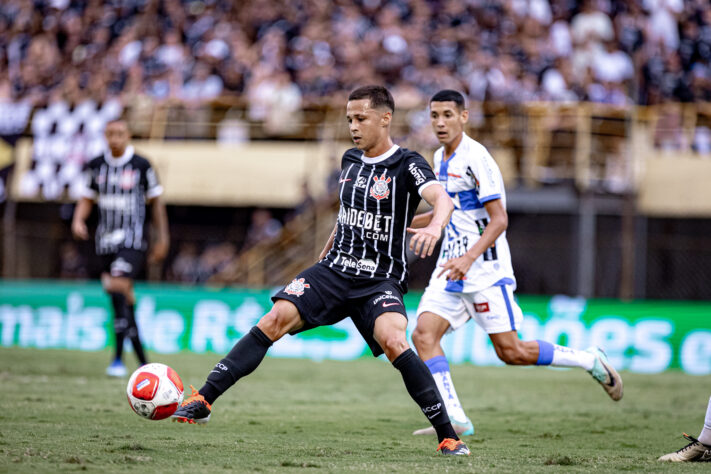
column 695, row 451
column 606, row 374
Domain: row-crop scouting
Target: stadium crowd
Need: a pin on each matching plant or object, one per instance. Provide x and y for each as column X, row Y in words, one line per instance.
column 69, row 66
column 294, row 52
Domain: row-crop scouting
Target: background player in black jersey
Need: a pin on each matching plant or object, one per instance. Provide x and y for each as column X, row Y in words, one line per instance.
column 362, row 272
column 122, row 183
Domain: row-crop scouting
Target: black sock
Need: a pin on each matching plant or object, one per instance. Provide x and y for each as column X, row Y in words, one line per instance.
column 423, row 389
column 244, row 357
column 132, row 333
column 118, row 301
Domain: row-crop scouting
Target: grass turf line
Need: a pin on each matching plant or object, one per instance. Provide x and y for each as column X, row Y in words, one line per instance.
column 60, row 413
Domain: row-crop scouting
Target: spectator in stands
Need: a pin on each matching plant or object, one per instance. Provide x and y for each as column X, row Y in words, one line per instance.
column 215, row 259
column 263, row 228
column 612, row 65
column 203, row 86
column 14, row 114
column 226, row 269
column 275, row 58
column 40, row 43
column 284, row 107
column 592, row 24
column 185, row 264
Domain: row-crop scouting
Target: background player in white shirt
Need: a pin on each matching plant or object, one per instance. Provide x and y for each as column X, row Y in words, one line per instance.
column 474, row 276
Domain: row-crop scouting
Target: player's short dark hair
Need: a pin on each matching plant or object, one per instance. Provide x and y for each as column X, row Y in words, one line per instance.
column 122, row 120
column 118, row 120
column 379, row 96
column 449, row 95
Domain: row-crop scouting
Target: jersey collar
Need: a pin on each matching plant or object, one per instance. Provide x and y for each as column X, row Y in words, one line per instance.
column 377, row 159
column 461, row 145
column 120, row 161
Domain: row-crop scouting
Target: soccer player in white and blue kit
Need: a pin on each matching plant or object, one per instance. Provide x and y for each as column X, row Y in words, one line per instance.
column 474, row 278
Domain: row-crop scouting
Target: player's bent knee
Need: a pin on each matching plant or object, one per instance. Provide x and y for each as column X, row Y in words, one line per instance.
column 393, row 345
column 282, row 318
column 121, row 285
column 423, row 340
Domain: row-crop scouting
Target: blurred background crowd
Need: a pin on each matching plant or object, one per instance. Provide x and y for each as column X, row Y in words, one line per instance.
column 311, row 51
column 235, row 71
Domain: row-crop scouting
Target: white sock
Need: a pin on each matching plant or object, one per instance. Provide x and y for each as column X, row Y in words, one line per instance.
column 440, row 372
column 561, row 356
column 449, row 394
column 705, row 436
column 567, row 357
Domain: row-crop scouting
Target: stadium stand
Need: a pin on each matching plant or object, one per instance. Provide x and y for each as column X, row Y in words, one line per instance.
column 642, row 51
column 583, row 94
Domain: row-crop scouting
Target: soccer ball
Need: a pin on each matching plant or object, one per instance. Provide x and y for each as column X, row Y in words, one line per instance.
column 154, row 391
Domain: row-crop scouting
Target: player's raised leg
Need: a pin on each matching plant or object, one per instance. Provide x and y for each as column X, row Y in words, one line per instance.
column 426, row 337
column 698, row 450
column 242, row 360
column 389, row 332
column 497, row 312
column 514, row 351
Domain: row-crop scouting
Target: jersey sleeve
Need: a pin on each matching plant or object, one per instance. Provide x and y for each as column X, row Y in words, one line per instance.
column 153, row 186
column 486, row 176
column 419, row 173
column 89, row 187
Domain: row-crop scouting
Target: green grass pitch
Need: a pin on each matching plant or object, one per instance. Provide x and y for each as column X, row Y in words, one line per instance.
column 60, row 413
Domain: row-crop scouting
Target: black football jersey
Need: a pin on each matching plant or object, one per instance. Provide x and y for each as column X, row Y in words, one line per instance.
column 379, row 197
column 120, row 187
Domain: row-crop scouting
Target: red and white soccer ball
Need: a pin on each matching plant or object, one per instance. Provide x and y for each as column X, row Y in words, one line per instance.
column 154, row 391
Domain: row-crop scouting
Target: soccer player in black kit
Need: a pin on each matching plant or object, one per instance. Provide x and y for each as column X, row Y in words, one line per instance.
column 362, row 271
column 122, row 183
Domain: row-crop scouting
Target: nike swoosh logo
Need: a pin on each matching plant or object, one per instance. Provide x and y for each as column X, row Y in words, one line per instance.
column 430, row 417
column 385, row 305
column 609, row 374
column 706, row 456
column 343, row 180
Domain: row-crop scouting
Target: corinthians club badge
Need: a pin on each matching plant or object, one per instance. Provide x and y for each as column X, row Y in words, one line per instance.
column 380, row 189
column 296, row 287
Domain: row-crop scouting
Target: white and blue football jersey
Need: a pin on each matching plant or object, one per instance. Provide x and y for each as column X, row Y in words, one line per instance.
column 472, row 178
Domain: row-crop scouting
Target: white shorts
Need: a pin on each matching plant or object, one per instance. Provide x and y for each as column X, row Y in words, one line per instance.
column 494, row 308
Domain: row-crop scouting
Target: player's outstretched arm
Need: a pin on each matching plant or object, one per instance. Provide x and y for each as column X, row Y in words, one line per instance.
column 159, row 249
column 425, row 239
column 329, row 244
column 457, row 268
column 81, row 213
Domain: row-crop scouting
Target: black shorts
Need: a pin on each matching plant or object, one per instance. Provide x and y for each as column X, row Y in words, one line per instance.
column 126, row 263
column 325, row 296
